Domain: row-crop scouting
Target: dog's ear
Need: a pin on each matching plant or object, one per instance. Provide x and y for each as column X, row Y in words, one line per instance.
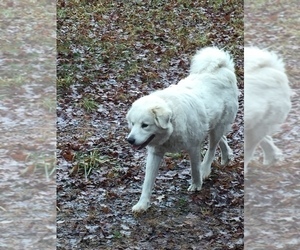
column 162, row 116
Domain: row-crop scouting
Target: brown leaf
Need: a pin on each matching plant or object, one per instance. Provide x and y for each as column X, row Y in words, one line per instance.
column 68, row 155
column 19, row 155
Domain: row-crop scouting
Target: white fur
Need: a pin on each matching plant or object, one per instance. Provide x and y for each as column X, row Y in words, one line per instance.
column 181, row 116
column 267, row 102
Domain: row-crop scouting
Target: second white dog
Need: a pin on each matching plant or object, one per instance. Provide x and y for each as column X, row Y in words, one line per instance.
column 267, row 102
column 181, row 116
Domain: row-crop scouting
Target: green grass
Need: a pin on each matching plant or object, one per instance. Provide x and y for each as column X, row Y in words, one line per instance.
column 89, row 104
column 182, row 203
column 86, row 162
column 41, row 162
column 131, row 44
column 48, row 104
column 65, row 82
column 12, row 81
column 117, row 235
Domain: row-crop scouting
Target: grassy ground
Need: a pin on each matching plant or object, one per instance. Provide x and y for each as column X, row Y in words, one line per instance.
column 125, row 41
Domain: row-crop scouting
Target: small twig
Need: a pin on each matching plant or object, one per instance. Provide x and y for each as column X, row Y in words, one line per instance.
column 3, row 209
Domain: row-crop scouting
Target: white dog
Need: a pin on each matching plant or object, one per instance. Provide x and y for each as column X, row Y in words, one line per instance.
column 180, row 117
column 267, row 102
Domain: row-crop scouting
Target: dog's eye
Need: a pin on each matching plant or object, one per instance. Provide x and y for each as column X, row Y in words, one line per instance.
column 144, row 125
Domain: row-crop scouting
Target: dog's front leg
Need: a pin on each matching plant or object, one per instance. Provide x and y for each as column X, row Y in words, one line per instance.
column 152, row 164
column 195, row 156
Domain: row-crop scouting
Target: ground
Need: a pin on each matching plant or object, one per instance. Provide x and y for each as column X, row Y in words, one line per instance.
column 28, row 143
column 109, row 54
column 272, row 193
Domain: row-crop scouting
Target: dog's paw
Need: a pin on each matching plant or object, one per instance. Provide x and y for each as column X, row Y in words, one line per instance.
column 272, row 159
column 206, row 173
column 195, row 187
column 225, row 159
column 140, row 207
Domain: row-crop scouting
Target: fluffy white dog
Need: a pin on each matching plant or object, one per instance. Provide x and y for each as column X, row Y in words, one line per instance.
column 267, row 102
column 180, row 117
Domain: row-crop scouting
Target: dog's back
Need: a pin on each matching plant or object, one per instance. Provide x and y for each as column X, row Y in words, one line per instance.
column 213, row 80
column 267, row 102
column 256, row 59
column 267, row 91
column 210, row 60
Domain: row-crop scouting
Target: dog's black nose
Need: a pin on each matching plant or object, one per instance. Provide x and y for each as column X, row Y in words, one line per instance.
column 130, row 140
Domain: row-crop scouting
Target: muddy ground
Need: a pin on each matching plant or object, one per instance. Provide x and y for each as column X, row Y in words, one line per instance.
column 109, row 54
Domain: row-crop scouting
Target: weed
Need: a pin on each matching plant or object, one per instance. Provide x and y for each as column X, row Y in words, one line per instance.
column 48, row 104
column 117, row 234
column 205, row 211
column 182, row 203
column 12, row 81
column 65, row 82
column 89, row 104
column 87, row 161
column 40, row 161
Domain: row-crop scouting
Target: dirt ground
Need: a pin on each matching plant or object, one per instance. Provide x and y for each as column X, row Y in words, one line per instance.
column 27, row 125
column 272, row 193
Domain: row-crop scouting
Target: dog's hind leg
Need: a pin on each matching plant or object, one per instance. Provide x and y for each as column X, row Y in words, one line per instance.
column 152, row 165
column 195, row 157
column 252, row 139
column 271, row 152
column 215, row 136
column 226, row 152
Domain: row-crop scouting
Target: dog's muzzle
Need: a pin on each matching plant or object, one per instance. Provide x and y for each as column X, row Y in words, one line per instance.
column 140, row 146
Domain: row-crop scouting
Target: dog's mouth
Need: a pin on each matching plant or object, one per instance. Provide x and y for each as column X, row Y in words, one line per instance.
column 144, row 144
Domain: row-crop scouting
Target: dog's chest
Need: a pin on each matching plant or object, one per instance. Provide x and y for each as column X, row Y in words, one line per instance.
column 173, row 145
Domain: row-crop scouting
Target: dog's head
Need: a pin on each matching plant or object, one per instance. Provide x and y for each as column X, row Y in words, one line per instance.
column 149, row 120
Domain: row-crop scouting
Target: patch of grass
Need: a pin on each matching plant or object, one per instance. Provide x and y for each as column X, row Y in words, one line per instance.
column 216, row 4
column 40, row 161
column 65, row 82
column 88, row 104
column 87, row 161
column 182, row 203
column 49, row 104
column 205, row 211
column 117, row 235
column 12, row 81
column 145, row 37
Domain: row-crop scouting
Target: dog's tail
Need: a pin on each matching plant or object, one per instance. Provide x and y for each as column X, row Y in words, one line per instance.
column 210, row 60
column 256, row 58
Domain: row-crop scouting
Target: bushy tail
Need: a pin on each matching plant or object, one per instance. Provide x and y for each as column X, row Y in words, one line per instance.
column 209, row 60
column 256, row 58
